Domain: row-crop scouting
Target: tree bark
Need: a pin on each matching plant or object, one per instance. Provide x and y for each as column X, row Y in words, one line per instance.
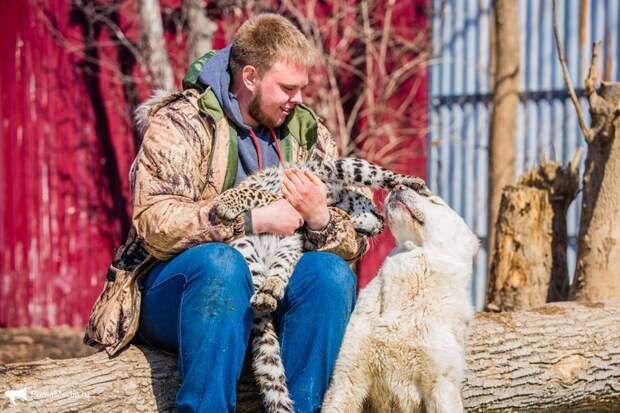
column 597, row 273
column 505, row 101
column 560, row 357
column 529, row 266
column 154, row 45
column 201, row 29
column 556, row 358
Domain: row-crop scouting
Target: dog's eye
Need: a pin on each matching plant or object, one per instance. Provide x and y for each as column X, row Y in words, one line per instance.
column 436, row 201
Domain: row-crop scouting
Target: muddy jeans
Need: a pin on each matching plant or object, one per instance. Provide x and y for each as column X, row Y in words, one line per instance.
column 198, row 304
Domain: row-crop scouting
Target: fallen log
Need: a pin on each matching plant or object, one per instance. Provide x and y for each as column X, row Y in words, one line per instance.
column 559, row 357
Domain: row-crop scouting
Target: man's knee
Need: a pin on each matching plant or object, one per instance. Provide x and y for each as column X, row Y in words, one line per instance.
column 215, row 260
column 329, row 276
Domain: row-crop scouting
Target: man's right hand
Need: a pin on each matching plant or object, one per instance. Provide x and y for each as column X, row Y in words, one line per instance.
column 279, row 218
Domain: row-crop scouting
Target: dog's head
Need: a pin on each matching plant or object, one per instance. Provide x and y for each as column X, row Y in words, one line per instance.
column 427, row 222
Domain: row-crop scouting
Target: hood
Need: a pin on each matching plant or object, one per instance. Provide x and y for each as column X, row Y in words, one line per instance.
column 214, row 73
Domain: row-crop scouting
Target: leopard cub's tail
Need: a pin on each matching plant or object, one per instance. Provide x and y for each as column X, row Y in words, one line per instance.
column 268, row 367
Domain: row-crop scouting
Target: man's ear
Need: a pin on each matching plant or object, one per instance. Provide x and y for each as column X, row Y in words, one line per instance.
column 249, row 76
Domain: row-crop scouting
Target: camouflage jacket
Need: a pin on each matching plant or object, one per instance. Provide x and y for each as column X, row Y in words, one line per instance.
column 187, row 157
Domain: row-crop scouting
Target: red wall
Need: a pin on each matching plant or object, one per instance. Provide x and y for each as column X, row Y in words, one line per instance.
column 65, row 149
column 65, row 152
column 409, row 20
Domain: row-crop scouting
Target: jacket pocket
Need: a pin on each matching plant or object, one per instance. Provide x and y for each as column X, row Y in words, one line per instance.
column 114, row 317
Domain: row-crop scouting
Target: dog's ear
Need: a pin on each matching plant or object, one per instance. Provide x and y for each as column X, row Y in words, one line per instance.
column 476, row 245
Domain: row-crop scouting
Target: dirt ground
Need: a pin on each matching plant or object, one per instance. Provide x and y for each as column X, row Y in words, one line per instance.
column 36, row 343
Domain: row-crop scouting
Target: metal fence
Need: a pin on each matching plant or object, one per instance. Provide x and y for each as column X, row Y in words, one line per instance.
column 460, row 96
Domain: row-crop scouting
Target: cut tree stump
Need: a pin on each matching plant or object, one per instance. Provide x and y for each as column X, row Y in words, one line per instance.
column 529, row 265
column 561, row 357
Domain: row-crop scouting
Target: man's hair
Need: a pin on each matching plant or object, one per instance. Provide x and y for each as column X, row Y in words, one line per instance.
column 266, row 38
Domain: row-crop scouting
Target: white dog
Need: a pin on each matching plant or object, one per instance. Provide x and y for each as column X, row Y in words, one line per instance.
column 403, row 350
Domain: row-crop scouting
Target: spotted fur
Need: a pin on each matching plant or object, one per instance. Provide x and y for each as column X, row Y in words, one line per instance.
column 271, row 258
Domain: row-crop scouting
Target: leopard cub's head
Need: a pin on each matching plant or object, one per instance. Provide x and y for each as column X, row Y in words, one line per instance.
column 365, row 217
column 367, row 221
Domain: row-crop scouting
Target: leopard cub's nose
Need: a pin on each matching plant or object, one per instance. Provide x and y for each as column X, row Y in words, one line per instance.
column 398, row 188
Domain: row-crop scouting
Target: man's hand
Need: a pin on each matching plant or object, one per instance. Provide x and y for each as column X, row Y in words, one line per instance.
column 279, row 218
column 308, row 195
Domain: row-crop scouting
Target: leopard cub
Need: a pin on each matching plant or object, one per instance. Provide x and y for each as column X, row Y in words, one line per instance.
column 272, row 258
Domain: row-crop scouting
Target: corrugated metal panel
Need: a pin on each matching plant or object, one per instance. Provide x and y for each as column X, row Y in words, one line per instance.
column 546, row 121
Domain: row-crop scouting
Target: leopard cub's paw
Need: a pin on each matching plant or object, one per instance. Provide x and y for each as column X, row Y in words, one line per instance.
column 273, row 286
column 263, row 303
column 415, row 183
column 225, row 211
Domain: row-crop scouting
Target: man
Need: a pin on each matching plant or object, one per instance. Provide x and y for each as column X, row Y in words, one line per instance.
column 241, row 111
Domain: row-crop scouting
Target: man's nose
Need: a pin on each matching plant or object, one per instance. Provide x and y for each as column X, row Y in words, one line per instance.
column 297, row 98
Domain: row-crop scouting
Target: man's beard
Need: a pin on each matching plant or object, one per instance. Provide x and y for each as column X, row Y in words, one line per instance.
column 255, row 111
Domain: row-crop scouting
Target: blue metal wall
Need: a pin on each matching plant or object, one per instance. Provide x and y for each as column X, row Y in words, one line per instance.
column 546, row 122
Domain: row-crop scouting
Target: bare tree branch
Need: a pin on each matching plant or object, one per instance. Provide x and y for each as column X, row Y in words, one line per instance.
column 587, row 132
column 201, row 29
column 154, row 45
column 385, row 35
column 592, row 77
column 116, row 31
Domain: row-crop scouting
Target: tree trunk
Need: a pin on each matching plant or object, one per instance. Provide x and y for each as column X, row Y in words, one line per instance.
column 505, row 101
column 529, row 265
column 560, row 357
column 154, row 45
column 597, row 274
column 201, row 29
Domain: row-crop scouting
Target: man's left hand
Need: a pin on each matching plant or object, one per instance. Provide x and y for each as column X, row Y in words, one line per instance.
column 308, row 195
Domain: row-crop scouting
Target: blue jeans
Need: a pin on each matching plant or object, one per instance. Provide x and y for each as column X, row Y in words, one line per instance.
column 198, row 304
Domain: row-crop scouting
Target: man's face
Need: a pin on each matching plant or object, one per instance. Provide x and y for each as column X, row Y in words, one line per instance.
column 277, row 93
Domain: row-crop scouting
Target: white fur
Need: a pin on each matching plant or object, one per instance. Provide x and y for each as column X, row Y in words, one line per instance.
column 404, row 346
column 160, row 98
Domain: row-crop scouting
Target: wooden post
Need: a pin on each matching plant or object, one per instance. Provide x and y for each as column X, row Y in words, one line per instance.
column 505, row 101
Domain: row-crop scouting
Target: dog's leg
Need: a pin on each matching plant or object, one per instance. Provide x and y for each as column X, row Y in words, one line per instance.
column 445, row 397
column 351, row 379
column 441, row 390
column 348, row 388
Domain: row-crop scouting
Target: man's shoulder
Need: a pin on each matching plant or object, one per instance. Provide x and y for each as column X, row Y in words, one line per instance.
column 304, row 111
column 166, row 104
